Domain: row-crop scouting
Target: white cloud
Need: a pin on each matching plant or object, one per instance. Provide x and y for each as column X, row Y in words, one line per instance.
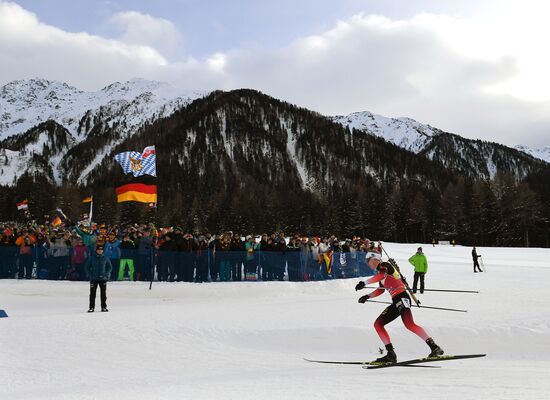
column 142, row 29
column 480, row 77
column 421, row 67
column 30, row 48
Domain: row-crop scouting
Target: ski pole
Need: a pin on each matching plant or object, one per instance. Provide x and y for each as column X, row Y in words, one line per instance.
column 152, row 269
column 432, row 290
column 433, row 308
column 392, row 262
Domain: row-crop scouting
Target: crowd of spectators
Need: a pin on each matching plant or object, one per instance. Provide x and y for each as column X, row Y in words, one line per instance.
column 145, row 252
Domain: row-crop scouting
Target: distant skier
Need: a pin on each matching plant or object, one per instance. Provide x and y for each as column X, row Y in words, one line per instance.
column 389, row 279
column 99, row 267
column 420, row 264
column 475, row 256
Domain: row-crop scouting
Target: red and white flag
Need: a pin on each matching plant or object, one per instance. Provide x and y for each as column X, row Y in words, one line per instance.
column 24, row 205
column 148, row 151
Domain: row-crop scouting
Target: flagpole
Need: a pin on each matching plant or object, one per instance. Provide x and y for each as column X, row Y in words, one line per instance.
column 153, row 254
column 91, row 210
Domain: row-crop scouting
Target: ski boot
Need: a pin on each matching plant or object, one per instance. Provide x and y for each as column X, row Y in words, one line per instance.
column 91, row 310
column 104, row 310
column 436, row 350
column 389, row 358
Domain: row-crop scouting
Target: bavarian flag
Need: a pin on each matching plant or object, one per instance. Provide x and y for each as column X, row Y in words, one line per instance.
column 138, row 164
column 141, row 190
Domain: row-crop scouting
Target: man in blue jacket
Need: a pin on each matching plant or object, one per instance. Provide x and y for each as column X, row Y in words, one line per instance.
column 112, row 252
column 99, row 267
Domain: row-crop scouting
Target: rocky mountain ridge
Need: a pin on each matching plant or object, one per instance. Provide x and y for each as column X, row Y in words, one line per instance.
column 475, row 158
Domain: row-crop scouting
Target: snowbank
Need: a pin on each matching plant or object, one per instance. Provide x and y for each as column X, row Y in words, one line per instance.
column 247, row 340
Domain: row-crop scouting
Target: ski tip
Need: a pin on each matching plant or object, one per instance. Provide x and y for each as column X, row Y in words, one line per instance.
column 336, row 362
column 454, row 357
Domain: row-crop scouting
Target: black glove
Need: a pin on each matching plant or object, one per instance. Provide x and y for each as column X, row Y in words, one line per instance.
column 364, row 298
column 359, row 286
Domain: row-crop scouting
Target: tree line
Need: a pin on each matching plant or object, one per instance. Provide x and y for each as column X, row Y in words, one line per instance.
column 500, row 212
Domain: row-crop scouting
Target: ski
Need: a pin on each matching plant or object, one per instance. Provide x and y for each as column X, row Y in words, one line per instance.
column 365, row 363
column 372, row 365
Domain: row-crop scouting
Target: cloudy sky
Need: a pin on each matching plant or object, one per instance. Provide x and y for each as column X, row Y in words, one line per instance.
column 477, row 68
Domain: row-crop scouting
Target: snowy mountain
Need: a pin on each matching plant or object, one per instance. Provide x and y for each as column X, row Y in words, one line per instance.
column 227, row 154
column 475, row 158
column 63, row 133
column 39, row 150
column 115, row 112
column 541, row 153
column 403, row 132
column 229, row 138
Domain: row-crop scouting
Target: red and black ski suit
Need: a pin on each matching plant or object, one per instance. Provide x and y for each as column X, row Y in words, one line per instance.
column 401, row 304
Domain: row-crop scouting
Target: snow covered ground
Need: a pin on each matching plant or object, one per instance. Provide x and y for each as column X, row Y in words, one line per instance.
column 247, row 340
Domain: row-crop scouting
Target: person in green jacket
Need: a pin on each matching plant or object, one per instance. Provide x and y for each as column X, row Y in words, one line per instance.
column 418, row 260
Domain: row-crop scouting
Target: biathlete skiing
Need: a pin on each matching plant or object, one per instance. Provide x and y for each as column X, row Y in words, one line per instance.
column 391, row 280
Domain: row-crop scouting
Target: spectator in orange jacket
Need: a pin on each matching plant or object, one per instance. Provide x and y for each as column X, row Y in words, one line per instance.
column 26, row 254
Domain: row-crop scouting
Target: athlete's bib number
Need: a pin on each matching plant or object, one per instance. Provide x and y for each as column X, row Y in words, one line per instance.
column 403, row 303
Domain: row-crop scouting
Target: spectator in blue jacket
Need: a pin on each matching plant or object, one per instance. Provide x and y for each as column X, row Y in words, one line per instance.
column 99, row 267
column 112, row 251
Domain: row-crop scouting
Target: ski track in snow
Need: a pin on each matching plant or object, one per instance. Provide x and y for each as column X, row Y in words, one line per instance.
column 247, row 340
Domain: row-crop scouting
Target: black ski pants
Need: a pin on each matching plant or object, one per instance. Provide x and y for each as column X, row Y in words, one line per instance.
column 476, row 265
column 25, row 266
column 418, row 276
column 93, row 289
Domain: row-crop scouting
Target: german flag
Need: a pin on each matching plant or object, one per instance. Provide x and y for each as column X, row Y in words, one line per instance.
column 140, row 192
column 88, row 199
